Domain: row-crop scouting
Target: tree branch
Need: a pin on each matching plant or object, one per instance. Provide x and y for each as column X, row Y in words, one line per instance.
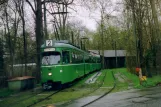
column 59, row 2
column 49, row 1
column 2, row 1
column 31, row 6
column 69, row 2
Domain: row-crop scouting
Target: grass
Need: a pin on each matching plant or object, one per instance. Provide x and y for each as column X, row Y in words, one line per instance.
column 64, row 97
column 10, row 100
column 151, row 82
column 154, row 80
column 108, row 79
column 6, row 92
column 131, row 77
column 77, row 91
column 135, row 79
column 80, row 89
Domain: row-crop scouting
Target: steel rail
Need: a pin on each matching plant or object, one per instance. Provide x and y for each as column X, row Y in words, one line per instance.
column 16, row 102
column 45, row 98
column 104, row 93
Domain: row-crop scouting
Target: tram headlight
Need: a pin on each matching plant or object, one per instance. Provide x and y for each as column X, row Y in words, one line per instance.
column 50, row 74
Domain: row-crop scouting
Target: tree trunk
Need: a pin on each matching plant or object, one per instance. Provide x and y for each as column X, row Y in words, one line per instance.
column 45, row 22
column 9, row 42
column 102, row 37
column 24, row 37
column 39, row 36
column 157, row 30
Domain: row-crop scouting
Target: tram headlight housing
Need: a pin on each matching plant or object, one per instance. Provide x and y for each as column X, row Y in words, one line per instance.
column 49, row 73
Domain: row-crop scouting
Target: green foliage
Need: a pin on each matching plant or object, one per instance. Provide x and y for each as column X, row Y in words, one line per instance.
column 112, row 34
column 135, row 79
column 5, row 92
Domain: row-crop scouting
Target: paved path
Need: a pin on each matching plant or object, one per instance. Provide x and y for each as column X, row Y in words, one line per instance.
column 150, row 97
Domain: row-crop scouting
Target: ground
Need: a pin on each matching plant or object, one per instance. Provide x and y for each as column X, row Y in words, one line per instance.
column 149, row 97
column 84, row 89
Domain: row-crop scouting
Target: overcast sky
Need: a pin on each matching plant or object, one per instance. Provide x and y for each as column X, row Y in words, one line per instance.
column 80, row 13
column 90, row 18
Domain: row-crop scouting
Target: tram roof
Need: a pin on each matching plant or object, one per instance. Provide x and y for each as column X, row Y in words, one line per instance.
column 64, row 45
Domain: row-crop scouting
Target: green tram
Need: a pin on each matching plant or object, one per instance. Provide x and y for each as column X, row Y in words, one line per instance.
column 63, row 63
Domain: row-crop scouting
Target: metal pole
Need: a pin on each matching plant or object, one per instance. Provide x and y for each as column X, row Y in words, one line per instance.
column 84, row 45
column 116, row 54
column 81, row 43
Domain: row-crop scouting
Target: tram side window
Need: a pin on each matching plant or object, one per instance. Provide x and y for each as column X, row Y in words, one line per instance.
column 77, row 57
column 94, row 60
column 66, row 57
column 76, row 60
column 80, row 58
column 99, row 60
column 73, row 58
column 87, row 60
column 91, row 59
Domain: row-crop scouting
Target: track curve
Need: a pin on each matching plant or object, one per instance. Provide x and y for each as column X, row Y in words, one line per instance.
column 44, row 98
column 104, row 93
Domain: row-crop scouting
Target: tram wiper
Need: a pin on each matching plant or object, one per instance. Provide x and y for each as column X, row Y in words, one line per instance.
column 46, row 58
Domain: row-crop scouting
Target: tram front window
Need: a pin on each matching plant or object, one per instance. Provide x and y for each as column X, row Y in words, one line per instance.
column 50, row 58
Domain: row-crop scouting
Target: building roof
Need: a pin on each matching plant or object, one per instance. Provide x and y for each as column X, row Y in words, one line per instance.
column 111, row 53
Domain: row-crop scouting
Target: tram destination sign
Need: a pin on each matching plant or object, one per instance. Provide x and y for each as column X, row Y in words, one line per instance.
column 49, row 49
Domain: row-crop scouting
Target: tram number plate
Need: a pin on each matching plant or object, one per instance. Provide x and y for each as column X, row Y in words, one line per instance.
column 49, row 43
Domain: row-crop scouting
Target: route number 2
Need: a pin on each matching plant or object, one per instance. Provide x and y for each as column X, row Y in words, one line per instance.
column 49, row 43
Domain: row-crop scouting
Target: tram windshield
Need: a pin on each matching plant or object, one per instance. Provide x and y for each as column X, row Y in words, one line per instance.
column 50, row 58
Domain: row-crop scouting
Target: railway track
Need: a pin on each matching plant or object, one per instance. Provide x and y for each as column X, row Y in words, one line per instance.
column 21, row 100
column 102, row 82
column 33, row 95
column 45, row 98
column 56, row 93
column 104, row 93
column 129, row 81
column 15, row 103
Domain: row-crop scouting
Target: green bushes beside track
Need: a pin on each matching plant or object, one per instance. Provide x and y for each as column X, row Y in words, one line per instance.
column 134, row 79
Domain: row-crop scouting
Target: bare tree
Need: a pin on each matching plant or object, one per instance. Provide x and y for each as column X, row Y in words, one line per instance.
column 37, row 9
column 38, row 31
column 146, row 31
column 59, row 11
column 20, row 5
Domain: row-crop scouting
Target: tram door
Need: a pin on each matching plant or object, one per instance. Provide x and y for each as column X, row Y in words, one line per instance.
column 67, row 67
